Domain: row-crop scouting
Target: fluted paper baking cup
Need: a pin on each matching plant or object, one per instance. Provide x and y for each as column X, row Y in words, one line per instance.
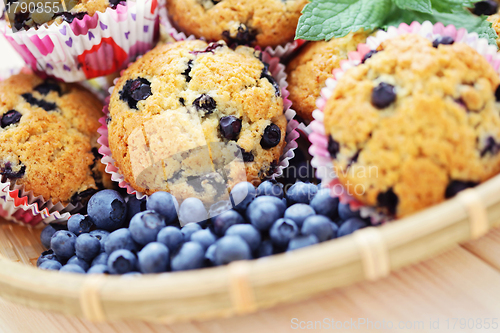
column 277, row 70
column 319, row 141
column 93, row 46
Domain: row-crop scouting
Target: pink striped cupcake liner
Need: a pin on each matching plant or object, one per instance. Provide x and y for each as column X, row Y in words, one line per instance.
column 277, row 70
column 319, row 141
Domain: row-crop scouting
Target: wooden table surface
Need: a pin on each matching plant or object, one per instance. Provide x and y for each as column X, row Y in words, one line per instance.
column 457, row 291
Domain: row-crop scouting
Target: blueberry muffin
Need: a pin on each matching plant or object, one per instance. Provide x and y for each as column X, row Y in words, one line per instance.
column 194, row 118
column 49, row 137
column 308, row 71
column 252, row 22
column 414, row 124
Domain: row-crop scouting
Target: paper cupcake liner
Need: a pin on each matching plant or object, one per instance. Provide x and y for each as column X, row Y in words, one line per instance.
column 94, row 46
column 319, row 141
column 278, row 72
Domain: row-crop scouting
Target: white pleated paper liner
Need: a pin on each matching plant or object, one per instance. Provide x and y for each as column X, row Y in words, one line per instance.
column 278, row 72
column 319, row 141
column 90, row 47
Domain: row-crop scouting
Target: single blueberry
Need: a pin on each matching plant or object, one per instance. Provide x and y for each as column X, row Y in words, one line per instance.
column 488, row 7
column 281, row 204
column 301, row 193
column 324, row 204
column 107, row 209
column 134, row 91
column 388, row 200
column 319, row 226
column 172, row 237
column 218, row 208
column 205, row 103
column 164, row 204
column 203, row 237
column 101, row 235
column 10, row 117
column 45, row 256
column 72, row 268
column 333, row 147
column 350, row 226
column 345, row 211
column 271, row 188
column 87, row 247
column 145, row 226
column 190, row 256
column 192, row 210
column 6, row 170
column 302, row 241
column 231, row 248
column 46, row 87
column 154, row 258
column 456, row 186
column 230, row 127
column 47, row 106
column 271, row 136
column 210, row 255
column 79, row 224
column 74, row 260
column 497, row 94
column 50, row 265
column 367, row 56
column 98, row 269
column 135, row 206
column 282, row 231
column 247, row 156
column 491, row 147
column 266, row 248
column 298, row 213
column 121, row 262
column 244, row 36
column 383, row 95
column 445, row 40
column 248, row 233
column 188, row 230
column 242, row 195
column 119, row 239
column 101, row 259
column 225, row 220
column 263, row 215
column 46, row 235
column 63, row 244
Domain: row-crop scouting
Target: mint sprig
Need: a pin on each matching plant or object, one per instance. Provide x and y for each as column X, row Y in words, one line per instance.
column 326, row 19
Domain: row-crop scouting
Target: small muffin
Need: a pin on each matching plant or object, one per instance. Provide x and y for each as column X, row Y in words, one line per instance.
column 252, row 22
column 415, row 124
column 49, row 137
column 194, row 118
column 308, row 71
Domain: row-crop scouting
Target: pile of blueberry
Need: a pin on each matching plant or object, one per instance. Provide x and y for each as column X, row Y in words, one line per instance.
column 131, row 236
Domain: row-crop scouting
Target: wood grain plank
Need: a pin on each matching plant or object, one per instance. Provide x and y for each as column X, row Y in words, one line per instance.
column 487, row 248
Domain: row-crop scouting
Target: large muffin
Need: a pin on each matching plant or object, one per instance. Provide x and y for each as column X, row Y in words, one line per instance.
column 415, row 124
column 308, row 71
column 252, row 22
column 185, row 114
column 49, row 137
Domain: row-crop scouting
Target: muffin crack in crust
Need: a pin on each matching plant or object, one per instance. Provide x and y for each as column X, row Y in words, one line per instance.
column 414, row 124
column 208, row 108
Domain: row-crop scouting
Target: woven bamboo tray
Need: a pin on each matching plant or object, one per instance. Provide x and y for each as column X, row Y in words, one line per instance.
column 246, row 286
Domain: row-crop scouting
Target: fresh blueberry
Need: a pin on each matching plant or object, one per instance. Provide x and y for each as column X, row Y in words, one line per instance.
column 263, row 215
column 74, row 260
column 345, row 212
column 456, row 186
column 231, row 248
column 135, row 206
column 369, row 55
column 271, row 137
column 282, row 231
column 302, row 241
column 121, row 262
column 383, row 95
column 145, row 226
column 50, row 265
column 46, row 87
column 324, row 204
column 171, row 237
column 488, row 7
column 101, row 235
column 223, row 221
column 46, row 235
column 203, row 237
column 230, row 127
column 10, row 117
column 79, row 224
column 98, row 269
column 164, row 204
column 298, row 213
column 301, row 193
column 188, row 230
column 107, row 209
column 72, row 268
column 248, row 233
column 266, row 248
column 350, row 226
column 205, row 103
column 46, row 256
column 242, row 195
column 119, row 239
column 270, row 188
column 281, row 204
column 87, row 247
column 154, row 258
column 218, row 208
column 63, row 244
column 190, row 256
column 134, row 91
column 210, row 255
column 192, row 210
column 319, row 226
column 101, row 259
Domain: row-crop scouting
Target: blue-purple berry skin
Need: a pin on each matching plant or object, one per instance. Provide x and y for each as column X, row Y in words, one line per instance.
column 101, row 235
column 383, row 95
column 72, row 268
column 282, row 231
column 171, row 237
column 266, row 248
column 219, row 208
column 210, row 255
column 121, row 262
column 134, row 206
column 270, row 188
column 231, row 248
column 164, row 204
column 203, row 237
column 192, row 210
column 225, row 220
column 74, row 260
column 302, row 241
column 101, row 259
column 98, row 269
column 242, row 195
column 87, row 247
column 107, row 209
column 350, row 226
column 46, row 256
column 145, row 226
column 299, row 213
column 345, row 212
column 154, row 258
column 249, row 234
column 188, row 230
column 324, row 204
column 319, row 226
column 301, row 193
column 63, row 244
column 119, row 239
column 79, row 224
column 263, row 215
column 51, row 265
column 190, row 256
column 46, row 235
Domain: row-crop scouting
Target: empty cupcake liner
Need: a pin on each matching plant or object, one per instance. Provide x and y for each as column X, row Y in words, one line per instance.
column 316, row 129
column 93, row 46
column 277, row 70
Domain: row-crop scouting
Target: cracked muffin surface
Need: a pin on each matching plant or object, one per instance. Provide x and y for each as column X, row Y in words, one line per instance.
column 415, row 124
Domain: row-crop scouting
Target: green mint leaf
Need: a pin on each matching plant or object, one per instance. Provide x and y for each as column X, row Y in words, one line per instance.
column 450, row 6
column 424, row 6
column 325, row 19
